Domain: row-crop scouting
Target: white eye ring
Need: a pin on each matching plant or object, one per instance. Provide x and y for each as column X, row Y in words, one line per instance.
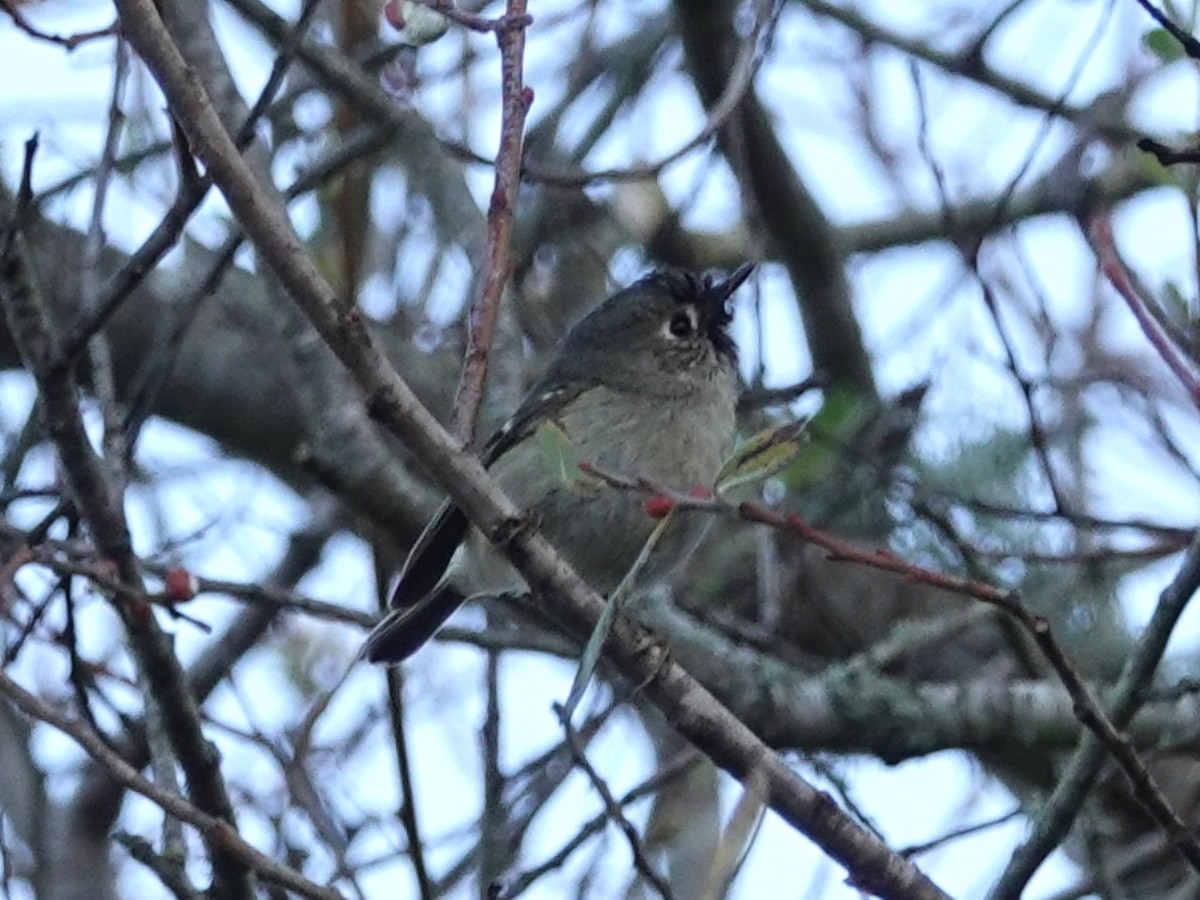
column 682, row 324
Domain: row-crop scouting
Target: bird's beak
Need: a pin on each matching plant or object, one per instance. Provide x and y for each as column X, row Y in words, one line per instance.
column 734, row 281
column 716, row 312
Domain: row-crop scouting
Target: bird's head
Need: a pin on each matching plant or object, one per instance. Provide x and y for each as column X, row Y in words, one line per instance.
column 664, row 332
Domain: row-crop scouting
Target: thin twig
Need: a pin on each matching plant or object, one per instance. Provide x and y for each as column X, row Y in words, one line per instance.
column 493, row 849
column 154, row 374
column 741, row 79
column 1100, row 238
column 408, row 808
column 215, row 830
column 79, row 674
column 516, row 98
column 1063, row 806
column 99, row 506
column 962, row 832
column 1168, row 156
column 193, row 188
column 762, row 397
column 668, row 773
column 214, row 665
column 967, row 64
column 969, row 251
column 100, row 573
column 1088, row 708
column 70, row 41
column 104, row 384
column 80, row 558
column 527, row 791
column 613, row 809
column 394, row 678
column 169, row 869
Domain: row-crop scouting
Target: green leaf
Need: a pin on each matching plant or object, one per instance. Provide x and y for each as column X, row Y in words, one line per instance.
column 1176, row 306
column 835, row 426
column 604, row 625
column 1162, row 44
column 421, row 24
column 561, row 457
column 1147, row 164
column 768, row 452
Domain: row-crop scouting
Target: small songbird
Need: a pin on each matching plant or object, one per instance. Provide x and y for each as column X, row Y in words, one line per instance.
column 644, row 385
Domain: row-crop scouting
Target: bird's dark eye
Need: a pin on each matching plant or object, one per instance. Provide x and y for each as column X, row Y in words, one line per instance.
column 680, row 325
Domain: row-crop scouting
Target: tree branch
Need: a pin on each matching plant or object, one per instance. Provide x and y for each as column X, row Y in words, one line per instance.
column 1064, row 805
column 216, row 831
column 692, row 709
column 100, row 505
column 515, row 100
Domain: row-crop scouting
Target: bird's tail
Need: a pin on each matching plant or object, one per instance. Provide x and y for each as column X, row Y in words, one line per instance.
column 406, row 628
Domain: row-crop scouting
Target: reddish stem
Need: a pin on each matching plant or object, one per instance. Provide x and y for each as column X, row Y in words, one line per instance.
column 1100, row 236
column 481, row 320
column 70, row 41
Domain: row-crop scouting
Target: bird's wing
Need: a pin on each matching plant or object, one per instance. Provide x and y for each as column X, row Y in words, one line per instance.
column 431, row 554
column 405, row 629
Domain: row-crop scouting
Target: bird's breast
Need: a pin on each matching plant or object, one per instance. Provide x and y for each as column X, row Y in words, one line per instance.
column 676, row 442
column 679, row 442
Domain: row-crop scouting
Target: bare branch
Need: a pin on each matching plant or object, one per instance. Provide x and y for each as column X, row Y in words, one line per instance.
column 70, row 41
column 1100, row 237
column 101, row 507
column 515, row 99
column 216, row 831
column 1063, row 806
column 686, row 704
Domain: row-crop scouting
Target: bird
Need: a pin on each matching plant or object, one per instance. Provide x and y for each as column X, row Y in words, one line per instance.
column 644, row 385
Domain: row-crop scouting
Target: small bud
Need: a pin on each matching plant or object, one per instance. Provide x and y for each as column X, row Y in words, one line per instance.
column 420, row 24
column 394, row 15
column 700, row 493
column 527, row 97
column 181, row 585
column 657, row 506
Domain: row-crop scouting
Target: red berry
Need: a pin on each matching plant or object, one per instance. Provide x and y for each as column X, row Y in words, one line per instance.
column 657, row 506
column 181, row 585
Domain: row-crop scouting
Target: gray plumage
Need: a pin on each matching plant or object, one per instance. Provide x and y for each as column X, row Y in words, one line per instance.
column 644, row 385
